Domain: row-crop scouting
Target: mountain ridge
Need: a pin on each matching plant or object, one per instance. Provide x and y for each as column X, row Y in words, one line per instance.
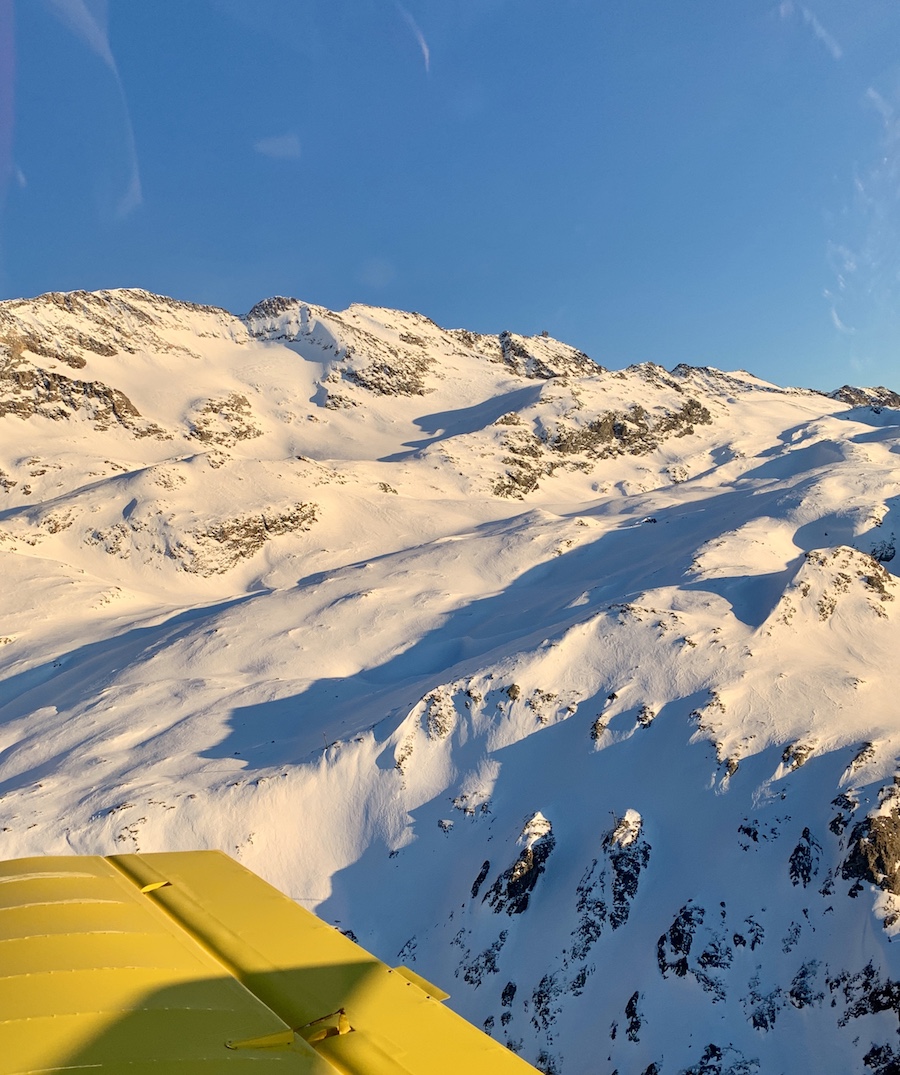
column 572, row 687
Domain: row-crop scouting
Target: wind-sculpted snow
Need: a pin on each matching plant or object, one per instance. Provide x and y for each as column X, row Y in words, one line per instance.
column 574, row 688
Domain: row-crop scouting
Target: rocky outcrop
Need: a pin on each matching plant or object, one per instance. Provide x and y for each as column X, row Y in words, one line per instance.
column 224, row 422
column 674, row 946
column 377, row 690
column 632, row 432
column 874, row 853
column 26, row 391
column 804, row 861
column 877, row 396
column 219, row 548
column 534, row 357
column 512, row 890
column 396, row 374
column 206, row 550
column 572, row 441
column 629, row 854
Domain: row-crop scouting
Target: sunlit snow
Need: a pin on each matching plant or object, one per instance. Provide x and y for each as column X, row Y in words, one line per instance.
column 572, row 688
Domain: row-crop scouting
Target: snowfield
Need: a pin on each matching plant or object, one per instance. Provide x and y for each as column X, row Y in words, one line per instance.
column 574, row 689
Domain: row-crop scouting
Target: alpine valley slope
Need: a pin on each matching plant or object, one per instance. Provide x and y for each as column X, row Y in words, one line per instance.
column 577, row 690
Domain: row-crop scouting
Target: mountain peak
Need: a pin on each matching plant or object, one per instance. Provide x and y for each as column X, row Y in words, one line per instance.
column 572, row 686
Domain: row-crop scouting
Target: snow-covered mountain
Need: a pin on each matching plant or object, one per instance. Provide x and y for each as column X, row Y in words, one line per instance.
column 574, row 689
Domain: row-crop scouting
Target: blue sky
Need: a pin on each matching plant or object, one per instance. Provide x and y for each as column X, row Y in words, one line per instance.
column 713, row 182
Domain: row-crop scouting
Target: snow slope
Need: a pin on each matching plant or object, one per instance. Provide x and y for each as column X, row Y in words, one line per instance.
column 573, row 688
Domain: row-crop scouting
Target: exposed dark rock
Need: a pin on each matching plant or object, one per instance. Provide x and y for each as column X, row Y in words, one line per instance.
column 754, row 831
column 804, row 861
column 543, row 1001
column 634, row 1019
column 717, row 953
column 865, row 754
column 592, row 911
column 31, row 391
column 709, row 984
column 607, row 895
column 874, row 854
column 846, row 807
column 547, row 1063
column 674, row 946
column 884, row 551
column 755, row 933
column 803, row 992
column 516, row 356
column 646, row 716
column 337, row 402
column 485, row 963
column 401, row 375
column 629, row 854
column 440, row 717
column 882, row 1060
column 750, row 830
column 877, row 578
column 512, row 889
column 224, row 421
column 763, row 1008
column 598, row 727
column 64, row 349
column 479, row 880
column 272, row 307
column 220, row 547
column 576, row 986
column 632, row 432
column 407, row 953
column 635, row 431
column 865, row 993
column 524, row 465
column 518, row 353
column 790, row 939
column 796, row 754
column 877, row 396
column 725, row 1060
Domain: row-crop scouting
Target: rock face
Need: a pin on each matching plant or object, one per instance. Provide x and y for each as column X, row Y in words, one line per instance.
column 629, row 855
column 573, row 687
column 512, row 889
column 867, row 397
column 26, row 391
column 874, row 853
column 804, row 860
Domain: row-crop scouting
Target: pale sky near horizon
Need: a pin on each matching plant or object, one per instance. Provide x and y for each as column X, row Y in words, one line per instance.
column 712, row 183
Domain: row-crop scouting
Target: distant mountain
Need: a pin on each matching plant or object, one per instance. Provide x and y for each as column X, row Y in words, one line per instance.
column 575, row 689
